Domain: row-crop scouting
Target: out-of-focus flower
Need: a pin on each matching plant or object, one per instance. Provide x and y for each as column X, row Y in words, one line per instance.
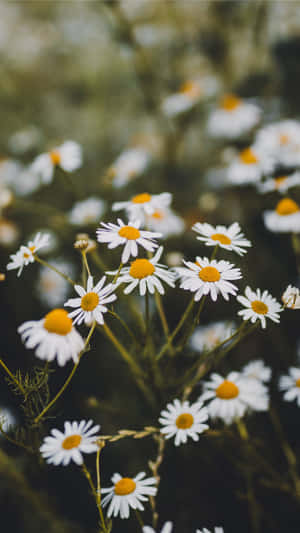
column 9, row 232
column 68, row 156
column 88, row 211
column 281, row 140
column 25, row 254
column 259, row 306
column 205, row 530
column 129, row 165
column 280, row 184
column 257, row 370
column 182, row 420
column 127, row 493
column 189, row 94
column 208, row 337
column 7, row 419
column 291, row 385
column 167, row 528
column 291, row 297
column 52, row 289
column 23, row 141
column 144, row 204
column 174, row 258
column 233, row 118
column 285, row 217
column 230, row 238
column 166, row 221
column 249, row 167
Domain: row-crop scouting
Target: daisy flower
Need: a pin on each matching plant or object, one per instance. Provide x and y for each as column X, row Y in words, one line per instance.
column 166, row 221
column 291, row 297
column 205, row 530
column 233, row 117
column 146, row 273
column 208, row 337
column 68, row 156
column 129, row 165
column 143, row 204
column 291, row 385
column 167, row 528
column 285, row 217
column 188, row 95
column 230, row 398
column 91, row 303
column 249, row 167
column 25, row 254
column 128, row 235
column 259, row 306
column 52, row 289
column 127, row 493
column 88, row 211
column 64, row 447
column 210, row 277
column 53, row 336
column 282, row 141
column 257, row 370
column 183, row 420
column 280, row 184
column 230, row 238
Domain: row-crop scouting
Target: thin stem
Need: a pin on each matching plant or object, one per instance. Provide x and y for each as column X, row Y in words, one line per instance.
column 69, row 378
column 130, row 333
column 14, row 379
column 139, row 518
column 193, row 325
column 85, row 262
column 98, row 492
column 176, row 330
column 15, row 442
column 118, row 273
column 163, row 318
column 89, row 478
column 44, row 263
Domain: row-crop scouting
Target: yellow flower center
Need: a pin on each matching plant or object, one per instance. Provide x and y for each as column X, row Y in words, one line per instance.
column 141, row 198
column 223, row 239
column 58, row 321
column 159, row 215
column 230, row 102
column 227, row 390
column 125, row 486
column 286, row 206
column 89, row 301
column 130, row 233
column 55, row 157
column 72, row 441
column 284, row 138
column 278, row 181
column 298, row 382
column 141, row 268
column 191, row 89
column 259, row 307
column 184, row 421
column 32, row 249
column 209, row 273
column 248, row 157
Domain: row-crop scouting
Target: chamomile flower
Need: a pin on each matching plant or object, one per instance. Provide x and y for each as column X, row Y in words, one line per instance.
column 210, row 277
column 91, row 304
column 25, row 254
column 285, row 217
column 249, row 167
column 165, row 221
column 231, row 397
column 52, row 289
column 147, row 274
column 233, row 117
column 259, row 306
column 53, row 337
column 208, row 337
column 230, row 238
column 127, row 493
column 129, row 165
column 291, row 297
column 257, row 370
column 188, row 95
column 280, row 184
column 68, row 156
column 128, row 235
column 64, row 447
column 88, row 211
column 143, row 204
column 291, row 385
column 282, row 141
column 182, row 420
column 205, row 530
column 167, row 528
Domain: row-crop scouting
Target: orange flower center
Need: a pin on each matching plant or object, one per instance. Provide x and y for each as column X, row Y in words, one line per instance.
column 130, row 233
column 141, row 198
column 286, row 206
column 55, row 157
column 159, row 215
column 248, row 157
column 230, row 102
column 284, row 138
column 141, row 268
column 227, row 390
column 32, row 249
column 298, row 382
column 209, row 273
column 184, row 421
column 191, row 89
column 223, row 239
column 278, row 181
column 58, row 321
column 125, row 486
column 89, row 301
column 72, row 441
column 259, row 307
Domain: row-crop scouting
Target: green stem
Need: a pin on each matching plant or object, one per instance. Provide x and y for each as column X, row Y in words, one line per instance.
column 176, row 330
column 85, row 262
column 44, row 263
column 118, row 273
column 130, row 333
column 98, row 492
column 163, row 318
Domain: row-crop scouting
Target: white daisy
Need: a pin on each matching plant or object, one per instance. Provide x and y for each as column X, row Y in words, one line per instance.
column 291, row 385
column 127, row 493
column 24, row 140
column 53, row 337
column 280, row 184
column 128, row 235
column 285, row 218
column 25, row 254
column 129, row 165
column 249, row 167
column 146, row 273
column 259, row 306
column 64, row 447
column 282, row 141
column 205, row 530
column 165, row 221
column 183, row 420
column 230, row 398
column 291, row 297
column 92, row 302
column 88, row 211
column 189, row 94
column 208, row 337
column 230, row 238
column 52, row 289
column 233, row 117
column 257, row 370
column 212, row 277
column 143, row 204
column 68, row 156
column 167, row 528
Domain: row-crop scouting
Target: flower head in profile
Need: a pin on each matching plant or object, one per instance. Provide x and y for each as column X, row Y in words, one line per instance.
column 233, row 117
column 284, row 218
column 166, row 221
column 127, row 493
column 128, row 235
column 231, row 397
column 279, row 184
column 208, row 337
column 259, row 306
column 60, row 448
column 25, row 254
column 188, row 95
column 210, row 277
column 182, row 420
column 205, row 530
column 53, row 337
column 92, row 301
column 143, row 204
column 249, row 167
column 129, row 165
column 281, row 140
column 291, row 297
column 230, row 238
column 87, row 212
column 290, row 384
column 67, row 156
column 257, row 370
column 167, row 528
